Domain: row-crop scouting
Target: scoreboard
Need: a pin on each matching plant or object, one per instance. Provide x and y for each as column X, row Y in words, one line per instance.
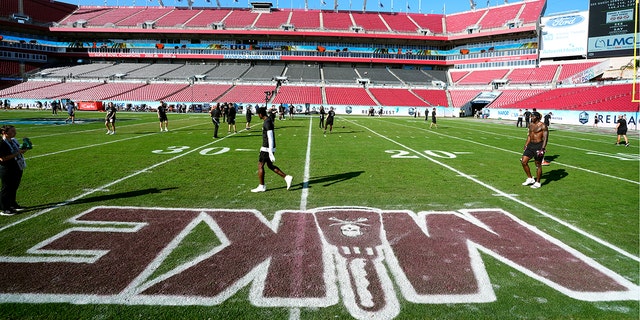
column 613, row 25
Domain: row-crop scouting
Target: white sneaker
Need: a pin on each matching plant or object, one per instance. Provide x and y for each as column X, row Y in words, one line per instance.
column 288, row 179
column 529, row 181
column 108, row 131
column 113, row 132
column 535, row 185
column 260, row 188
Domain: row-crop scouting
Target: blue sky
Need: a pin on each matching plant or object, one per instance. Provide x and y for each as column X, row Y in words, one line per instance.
column 423, row 6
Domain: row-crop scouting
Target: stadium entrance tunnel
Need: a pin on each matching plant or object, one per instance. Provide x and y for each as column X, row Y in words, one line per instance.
column 476, row 107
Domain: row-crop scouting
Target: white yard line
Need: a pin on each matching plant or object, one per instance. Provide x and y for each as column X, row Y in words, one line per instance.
column 505, row 195
column 307, row 168
column 519, row 153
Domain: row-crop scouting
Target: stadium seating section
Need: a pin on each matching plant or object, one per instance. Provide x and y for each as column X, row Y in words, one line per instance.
column 300, row 83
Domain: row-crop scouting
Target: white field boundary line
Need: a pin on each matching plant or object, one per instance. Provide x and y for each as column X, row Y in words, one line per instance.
column 106, row 186
column 518, row 153
column 500, row 193
column 104, row 143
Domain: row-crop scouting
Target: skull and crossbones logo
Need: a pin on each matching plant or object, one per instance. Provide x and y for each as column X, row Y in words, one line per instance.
column 350, row 228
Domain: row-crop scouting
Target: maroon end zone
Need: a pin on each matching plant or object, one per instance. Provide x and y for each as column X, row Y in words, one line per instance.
column 312, row 258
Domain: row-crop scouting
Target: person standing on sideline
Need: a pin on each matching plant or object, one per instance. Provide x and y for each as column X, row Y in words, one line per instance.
column 535, row 147
column 110, row 118
column 322, row 115
column 12, row 165
column 595, row 121
column 71, row 111
column 329, row 123
column 267, row 151
column 527, row 118
column 162, row 117
column 547, row 119
column 215, row 112
column 248, row 115
column 621, row 129
column 433, row 119
column 520, row 115
column 231, row 118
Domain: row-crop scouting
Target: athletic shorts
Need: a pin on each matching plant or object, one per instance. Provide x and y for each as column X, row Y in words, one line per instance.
column 163, row 119
column 531, row 150
column 622, row 131
column 329, row 121
column 264, row 157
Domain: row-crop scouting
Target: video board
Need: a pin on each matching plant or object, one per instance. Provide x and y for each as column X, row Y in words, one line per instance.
column 612, row 25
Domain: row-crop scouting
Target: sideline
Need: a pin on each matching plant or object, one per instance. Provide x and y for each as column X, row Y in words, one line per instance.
column 519, row 153
column 506, row 195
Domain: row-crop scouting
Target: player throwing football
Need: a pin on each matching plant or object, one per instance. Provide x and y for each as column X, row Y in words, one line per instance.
column 534, row 148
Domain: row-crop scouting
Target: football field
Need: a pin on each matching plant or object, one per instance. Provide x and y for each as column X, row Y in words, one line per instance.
column 386, row 218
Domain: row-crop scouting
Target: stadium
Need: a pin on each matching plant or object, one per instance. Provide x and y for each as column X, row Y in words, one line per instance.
column 387, row 217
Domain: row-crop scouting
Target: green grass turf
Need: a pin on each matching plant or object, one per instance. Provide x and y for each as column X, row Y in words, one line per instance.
column 387, row 163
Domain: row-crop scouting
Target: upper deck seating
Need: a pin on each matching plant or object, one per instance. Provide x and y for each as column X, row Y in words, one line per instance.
column 532, row 11
column 497, row 17
column 336, row 20
column 43, row 11
column 177, row 18
column 305, row 19
column 240, row 19
column 114, row 16
column 369, row 21
column 399, row 22
column 148, row 14
column 432, row 22
column 85, row 14
column 273, row 19
column 207, row 18
column 458, row 22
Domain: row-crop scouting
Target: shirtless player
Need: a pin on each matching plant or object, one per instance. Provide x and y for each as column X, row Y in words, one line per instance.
column 535, row 148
